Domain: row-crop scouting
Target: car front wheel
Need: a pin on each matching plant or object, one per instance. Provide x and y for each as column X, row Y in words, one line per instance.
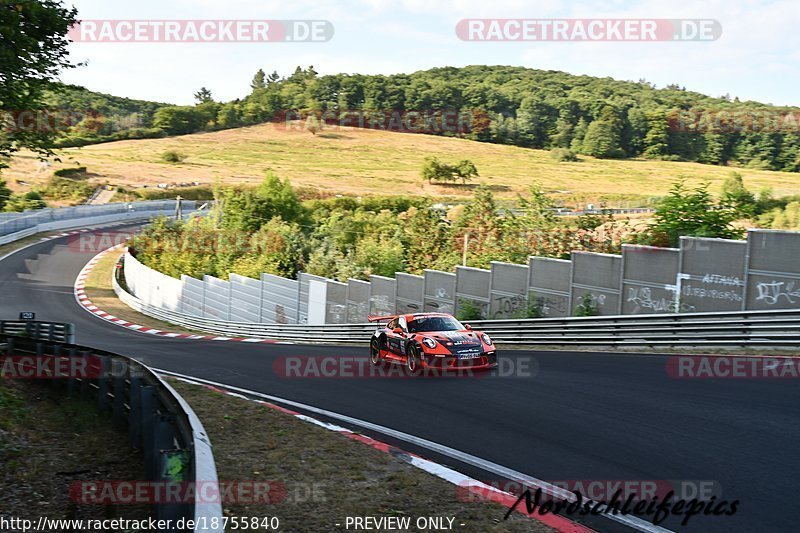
column 375, row 352
column 412, row 361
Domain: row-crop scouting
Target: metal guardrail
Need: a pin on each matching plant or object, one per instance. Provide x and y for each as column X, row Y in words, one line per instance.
column 42, row 331
column 174, row 443
column 741, row 329
column 46, row 216
column 116, row 215
column 737, row 328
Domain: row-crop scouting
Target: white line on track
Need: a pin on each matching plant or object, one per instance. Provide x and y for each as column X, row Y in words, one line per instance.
column 487, row 466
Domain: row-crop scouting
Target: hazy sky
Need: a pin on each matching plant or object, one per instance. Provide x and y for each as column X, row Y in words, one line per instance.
column 755, row 58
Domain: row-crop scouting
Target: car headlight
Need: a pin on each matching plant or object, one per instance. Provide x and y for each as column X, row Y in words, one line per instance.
column 487, row 339
column 430, row 343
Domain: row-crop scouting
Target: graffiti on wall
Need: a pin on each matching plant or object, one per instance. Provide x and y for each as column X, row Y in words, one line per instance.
column 515, row 306
column 774, row 292
column 644, row 299
column 548, row 305
column 715, row 287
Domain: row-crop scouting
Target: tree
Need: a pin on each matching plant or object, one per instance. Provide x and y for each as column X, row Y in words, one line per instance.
column 33, row 50
column 533, row 122
column 713, row 151
column 563, row 133
column 433, row 169
column 203, row 96
column 603, row 136
column 579, row 133
column 259, row 80
column 466, row 170
column 657, row 137
column 5, row 194
column 427, row 240
column 734, row 193
column 178, row 120
column 634, row 131
column 693, row 213
column 228, row 116
column 249, row 210
column 479, row 219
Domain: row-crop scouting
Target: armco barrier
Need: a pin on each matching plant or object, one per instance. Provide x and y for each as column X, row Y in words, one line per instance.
column 31, row 222
column 739, row 329
column 42, row 331
column 158, row 419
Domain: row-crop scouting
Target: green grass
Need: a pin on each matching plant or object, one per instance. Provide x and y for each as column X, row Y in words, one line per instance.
column 375, row 162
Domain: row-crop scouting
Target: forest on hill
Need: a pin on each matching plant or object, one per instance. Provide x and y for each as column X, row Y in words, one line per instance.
column 600, row 117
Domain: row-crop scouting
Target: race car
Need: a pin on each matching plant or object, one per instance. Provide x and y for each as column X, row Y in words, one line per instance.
column 430, row 341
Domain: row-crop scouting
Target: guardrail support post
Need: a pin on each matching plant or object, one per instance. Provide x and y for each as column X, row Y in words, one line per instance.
column 165, row 433
column 119, row 400
column 57, row 376
column 85, row 379
column 73, row 378
column 102, row 385
column 148, row 410
column 135, row 413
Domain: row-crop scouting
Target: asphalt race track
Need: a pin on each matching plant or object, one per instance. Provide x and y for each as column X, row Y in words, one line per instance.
column 582, row 416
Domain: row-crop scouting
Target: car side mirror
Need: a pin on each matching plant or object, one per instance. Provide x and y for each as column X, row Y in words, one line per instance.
column 398, row 330
column 467, row 327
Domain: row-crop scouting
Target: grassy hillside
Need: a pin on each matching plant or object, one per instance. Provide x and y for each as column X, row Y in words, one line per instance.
column 351, row 161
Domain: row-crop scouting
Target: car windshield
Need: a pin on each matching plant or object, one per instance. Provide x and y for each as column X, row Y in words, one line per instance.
column 434, row 323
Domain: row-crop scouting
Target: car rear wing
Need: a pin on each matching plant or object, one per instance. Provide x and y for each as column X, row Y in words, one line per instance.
column 380, row 318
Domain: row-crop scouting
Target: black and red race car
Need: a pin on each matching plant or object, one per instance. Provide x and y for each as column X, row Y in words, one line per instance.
column 433, row 341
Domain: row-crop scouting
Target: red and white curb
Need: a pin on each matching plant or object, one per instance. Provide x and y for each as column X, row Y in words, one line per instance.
column 479, row 490
column 84, row 301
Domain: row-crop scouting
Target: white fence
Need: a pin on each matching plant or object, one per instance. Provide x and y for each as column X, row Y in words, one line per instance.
column 704, row 275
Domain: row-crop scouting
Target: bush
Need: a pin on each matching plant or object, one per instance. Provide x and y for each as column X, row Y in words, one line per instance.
column 535, row 307
column 61, row 188
column 21, row 202
column 468, row 310
column 564, row 155
column 200, row 192
column 74, row 172
column 171, row 156
column 587, row 307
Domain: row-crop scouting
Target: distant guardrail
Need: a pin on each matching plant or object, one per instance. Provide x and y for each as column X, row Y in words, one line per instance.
column 43, row 331
column 158, row 419
column 741, row 329
column 31, row 222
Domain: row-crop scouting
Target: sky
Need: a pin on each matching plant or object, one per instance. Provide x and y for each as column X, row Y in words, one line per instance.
column 755, row 58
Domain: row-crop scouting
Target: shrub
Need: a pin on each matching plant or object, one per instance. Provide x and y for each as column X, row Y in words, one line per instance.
column 171, row 156
column 468, row 310
column 564, row 155
column 587, row 307
column 73, row 172
column 61, row 188
column 200, row 192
